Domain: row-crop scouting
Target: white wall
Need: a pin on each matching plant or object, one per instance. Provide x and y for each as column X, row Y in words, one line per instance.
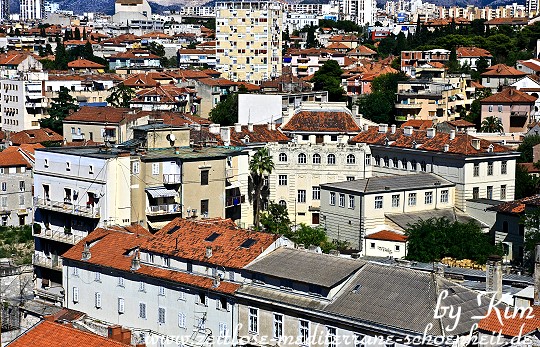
column 259, row 109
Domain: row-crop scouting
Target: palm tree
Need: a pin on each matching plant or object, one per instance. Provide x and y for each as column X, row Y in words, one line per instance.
column 260, row 164
column 492, row 125
column 120, row 96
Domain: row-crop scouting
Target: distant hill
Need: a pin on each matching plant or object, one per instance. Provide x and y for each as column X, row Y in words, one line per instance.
column 479, row 3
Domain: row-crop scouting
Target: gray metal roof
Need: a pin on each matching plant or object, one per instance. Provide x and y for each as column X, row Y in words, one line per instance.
column 390, row 183
column 404, row 219
column 306, row 266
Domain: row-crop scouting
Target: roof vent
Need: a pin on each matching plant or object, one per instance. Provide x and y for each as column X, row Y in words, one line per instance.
column 208, row 252
column 86, row 255
column 334, row 252
column 452, row 134
column 490, row 148
column 476, row 144
column 383, row 128
column 366, row 127
column 250, row 127
column 430, row 133
column 407, row 131
column 446, row 147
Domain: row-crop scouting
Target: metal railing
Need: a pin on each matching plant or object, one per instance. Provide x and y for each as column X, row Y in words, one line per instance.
column 60, row 236
column 172, row 178
column 53, row 262
column 163, row 209
column 67, row 207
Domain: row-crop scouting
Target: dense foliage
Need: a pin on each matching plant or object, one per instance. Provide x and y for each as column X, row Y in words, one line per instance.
column 328, row 78
column 60, row 108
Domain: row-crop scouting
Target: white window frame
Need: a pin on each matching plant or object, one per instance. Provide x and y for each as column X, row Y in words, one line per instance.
column 277, row 326
column 121, row 305
column 162, row 313
column 75, row 295
column 182, row 320
column 253, row 320
column 395, row 200
column 378, row 202
column 351, row 202
column 445, row 196
column 304, row 338
column 331, row 333
column 97, row 299
column 341, row 200
column 412, row 199
column 428, row 198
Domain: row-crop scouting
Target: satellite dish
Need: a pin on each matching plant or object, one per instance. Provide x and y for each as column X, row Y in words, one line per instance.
column 172, row 137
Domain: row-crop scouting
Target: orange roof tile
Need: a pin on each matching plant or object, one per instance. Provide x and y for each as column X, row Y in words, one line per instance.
column 501, row 70
column 418, row 124
column 260, row 134
column 512, row 326
column 12, row 157
column 321, row 121
column 509, row 96
column 460, row 123
column 465, row 52
column 84, row 64
column 517, row 206
column 35, row 136
column 387, row 235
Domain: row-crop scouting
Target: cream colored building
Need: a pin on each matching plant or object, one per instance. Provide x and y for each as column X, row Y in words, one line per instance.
column 248, row 35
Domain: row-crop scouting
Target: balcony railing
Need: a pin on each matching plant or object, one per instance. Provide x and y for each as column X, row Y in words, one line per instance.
column 234, row 200
column 77, row 136
column 163, row 209
column 69, row 208
column 53, row 262
column 60, row 236
column 409, row 105
column 172, row 178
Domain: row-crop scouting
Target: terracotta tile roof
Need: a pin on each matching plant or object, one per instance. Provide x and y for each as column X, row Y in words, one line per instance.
column 387, row 235
column 466, row 52
column 156, row 35
column 509, row 96
column 344, row 38
column 217, row 82
column 249, row 86
column 501, row 70
column 530, row 167
column 12, row 157
column 337, row 45
column 84, row 64
column 114, row 249
column 134, row 54
column 436, row 65
column 533, row 66
column 53, row 334
column 106, row 114
column 187, row 239
column 209, row 44
column 35, row 136
column 146, row 80
column 311, row 51
column 511, row 326
column 508, row 21
column 462, row 144
column 13, row 58
column 362, row 51
column 322, row 121
column 260, row 134
column 197, row 51
column 517, row 206
column 76, row 43
column 418, row 124
column 168, row 93
column 460, row 123
column 477, row 85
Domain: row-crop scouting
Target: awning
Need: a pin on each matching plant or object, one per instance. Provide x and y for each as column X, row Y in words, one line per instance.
column 157, row 225
column 161, row 192
column 235, row 184
column 460, row 96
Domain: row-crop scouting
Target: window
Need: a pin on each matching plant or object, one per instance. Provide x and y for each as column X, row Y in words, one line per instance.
column 121, row 281
column 283, row 157
column 120, row 305
column 412, row 199
column 46, row 163
column 475, row 193
column 202, row 299
column 341, row 200
column 21, row 186
column 304, row 332
column 377, row 160
column 499, row 108
column 397, row 248
column 68, row 166
column 476, row 170
column 372, row 245
column 97, row 299
column 278, row 326
column 331, row 336
column 253, row 320
column 351, row 159
column 423, row 166
column 359, row 340
column 489, row 194
column 413, row 165
column 404, row 164
column 395, row 162
column 332, row 199
column 503, row 191
column 75, row 295
column 282, row 180
column 302, row 158
column 282, row 203
column 75, row 272
column 331, row 159
column 428, row 199
column 161, row 315
column 386, row 161
column 316, row 158
column 155, row 169
column 4, row 186
column 204, row 177
column 504, row 167
column 204, row 207
column 316, row 193
column 490, row 169
column 490, row 108
column 21, row 200
column 91, row 169
column 161, row 291
column 142, row 310
column 142, row 287
column 444, row 196
column 181, row 320
column 136, row 167
column 395, row 200
column 350, row 178
column 351, row 201
column 97, row 276
column 368, row 159
column 301, row 196
column 378, row 202
column 222, row 329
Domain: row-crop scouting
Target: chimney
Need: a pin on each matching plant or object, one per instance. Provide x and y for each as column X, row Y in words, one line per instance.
column 452, row 134
column 136, row 262
column 208, row 252
column 476, row 144
column 536, row 300
column 269, row 126
column 250, row 127
column 383, row 128
column 446, row 147
column 226, row 135
column 431, row 133
column 494, row 276
column 393, row 129
column 366, row 127
column 273, row 126
column 355, row 110
column 86, row 255
column 238, row 127
column 407, row 131
column 214, row 128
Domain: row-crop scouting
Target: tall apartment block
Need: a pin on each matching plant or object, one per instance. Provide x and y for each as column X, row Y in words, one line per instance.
column 4, row 10
column 248, row 37
column 532, row 7
column 361, row 12
column 32, row 10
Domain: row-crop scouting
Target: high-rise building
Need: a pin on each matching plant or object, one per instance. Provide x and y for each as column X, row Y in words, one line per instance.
column 532, row 7
column 4, row 10
column 360, row 11
column 248, row 37
column 32, row 10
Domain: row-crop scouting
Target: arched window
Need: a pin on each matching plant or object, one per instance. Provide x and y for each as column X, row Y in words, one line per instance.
column 331, row 159
column 423, row 166
column 302, row 158
column 395, row 162
column 282, row 203
column 377, row 160
column 386, row 161
column 351, row 159
column 283, row 157
column 413, row 165
column 316, row 158
column 404, row 164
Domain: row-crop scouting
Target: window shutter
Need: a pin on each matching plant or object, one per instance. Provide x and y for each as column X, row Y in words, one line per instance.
column 120, row 305
column 98, row 300
column 75, row 294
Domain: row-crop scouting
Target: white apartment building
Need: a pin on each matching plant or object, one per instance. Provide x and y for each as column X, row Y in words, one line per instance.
column 362, row 12
column 23, row 101
column 32, row 10
column 297, row 21
column 248, row 35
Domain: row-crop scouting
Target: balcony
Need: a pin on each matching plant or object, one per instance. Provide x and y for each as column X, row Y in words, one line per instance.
column 60, row 236
column 158, row 210
column 54, row 262
column 231, row 201
column 302, row 60
column 67, row 207
column 409, row 105
column 172, row 178
column 77, row 137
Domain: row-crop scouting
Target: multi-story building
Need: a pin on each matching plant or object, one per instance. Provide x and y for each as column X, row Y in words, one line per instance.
column 532, row 7
column 500, row 75
column 32, row 10
column 514, row 108
column 134, row 61
column 211, row 91
column 305, row 62
column 248, row 35
column 479, row 168
column 410, row 60
column 362, row 12
column 4, row 10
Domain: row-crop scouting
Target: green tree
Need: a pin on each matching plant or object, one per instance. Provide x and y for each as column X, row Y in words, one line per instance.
column 60, row 56
column 492, row 125
column 453, row 64
column 531, row 223
column 120, row 96
column 526, row 185
column 328, row 78
column 276, row 220
column 311, row 41
column 84, row 34
column 87, row 51
column 60, row 108
column 260, row 165
column 526, row 148
column 226, row 111
column 77, row 35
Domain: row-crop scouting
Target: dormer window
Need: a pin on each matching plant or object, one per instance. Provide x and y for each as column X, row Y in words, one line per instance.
column 46, row 162
column 68, row 166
